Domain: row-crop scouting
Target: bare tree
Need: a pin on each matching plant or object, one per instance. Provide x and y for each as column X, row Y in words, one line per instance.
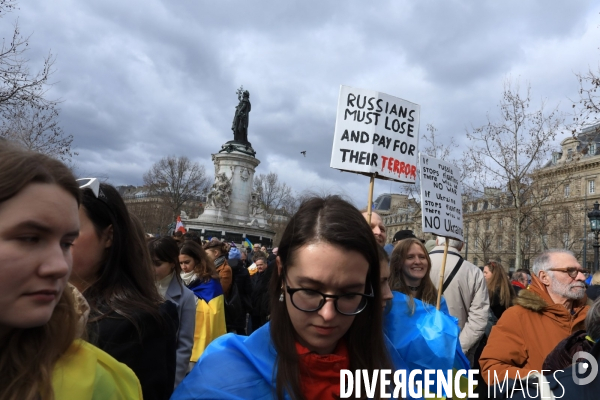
column 272, row 193
column 433, row 147
column 37, row 129
column 586, row 113
column 28, row 117
column 176, row 180
column 18, row 85
column 505, row 152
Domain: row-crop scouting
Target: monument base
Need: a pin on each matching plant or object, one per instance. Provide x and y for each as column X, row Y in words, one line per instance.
column 232, row 212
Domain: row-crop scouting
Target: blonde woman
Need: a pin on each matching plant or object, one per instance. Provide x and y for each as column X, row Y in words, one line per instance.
column 40, row 357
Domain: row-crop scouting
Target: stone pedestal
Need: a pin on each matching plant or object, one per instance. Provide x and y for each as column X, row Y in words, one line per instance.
column 232, row 209
column 239, row 171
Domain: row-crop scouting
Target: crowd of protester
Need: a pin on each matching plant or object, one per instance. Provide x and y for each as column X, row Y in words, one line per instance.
column 90, row 307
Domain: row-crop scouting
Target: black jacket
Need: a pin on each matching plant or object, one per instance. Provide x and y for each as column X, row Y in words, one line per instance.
column 241, row 277
column 149, row 352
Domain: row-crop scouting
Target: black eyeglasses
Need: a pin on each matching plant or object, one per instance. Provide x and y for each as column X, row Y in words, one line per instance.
column 309, row 300
column 572, row 272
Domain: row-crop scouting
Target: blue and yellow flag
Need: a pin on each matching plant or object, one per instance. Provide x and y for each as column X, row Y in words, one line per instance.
column 210, row 315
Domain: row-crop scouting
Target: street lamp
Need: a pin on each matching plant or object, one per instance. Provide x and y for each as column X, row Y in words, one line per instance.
column 594, row 217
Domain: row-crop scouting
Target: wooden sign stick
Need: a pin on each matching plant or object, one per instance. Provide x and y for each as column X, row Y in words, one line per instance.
column 370, row 202
column 442, row 271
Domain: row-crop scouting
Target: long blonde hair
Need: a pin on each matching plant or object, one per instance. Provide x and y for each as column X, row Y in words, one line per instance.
column 27, row 356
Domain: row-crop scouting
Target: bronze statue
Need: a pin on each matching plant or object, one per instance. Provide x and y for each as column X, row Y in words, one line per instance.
column 240, row 120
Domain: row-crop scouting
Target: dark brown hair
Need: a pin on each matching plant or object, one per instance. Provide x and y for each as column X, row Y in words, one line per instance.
column 203, row 268
column 334, row 221
column 125, row 282
column 166, row 249
column 499, row 284
column 27, row 356
column 427, row 291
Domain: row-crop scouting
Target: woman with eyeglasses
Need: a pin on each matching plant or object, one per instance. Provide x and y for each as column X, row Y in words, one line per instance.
column 112, row 268
column 325, row 315
column 500, row 290
column 199, row 275
column 41, row 357
column 164, row 253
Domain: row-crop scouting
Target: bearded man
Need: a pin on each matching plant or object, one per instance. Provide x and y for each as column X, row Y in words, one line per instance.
column 552, row 308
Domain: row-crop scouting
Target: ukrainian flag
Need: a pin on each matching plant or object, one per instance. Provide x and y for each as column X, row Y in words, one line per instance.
column 210, row 315
column 248, row 242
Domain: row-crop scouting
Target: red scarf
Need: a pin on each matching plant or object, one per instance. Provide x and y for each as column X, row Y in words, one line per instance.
column 320, row 374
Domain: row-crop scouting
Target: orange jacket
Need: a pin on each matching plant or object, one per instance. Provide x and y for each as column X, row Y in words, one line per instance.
column 527, row 332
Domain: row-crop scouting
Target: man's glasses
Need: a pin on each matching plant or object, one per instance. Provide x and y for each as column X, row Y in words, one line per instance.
column 572, row 272
column 93, row 184
column 309, row 300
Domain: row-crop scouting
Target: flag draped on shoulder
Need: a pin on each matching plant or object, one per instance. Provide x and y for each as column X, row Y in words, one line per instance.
column 232, row 367
column 179, row 227
column 425, row 338
column 210, row 315
column 86, row 372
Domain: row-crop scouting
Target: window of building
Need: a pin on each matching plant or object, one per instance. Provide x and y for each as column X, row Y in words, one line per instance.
column 511, row 264
column 591, row 187
column 592, row 149
column 513, row 243
column 567, row 190
column 500, row 223
column 525, row 263
column 499, row 243
column 566, row 218
column 476, row 244
column 566, row 240
column 554, row 158
column 487, row 224
column 476, row 261
column 545, row 243
column 569, row 154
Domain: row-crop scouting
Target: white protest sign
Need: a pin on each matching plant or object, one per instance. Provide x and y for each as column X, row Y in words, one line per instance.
column 441, row 202
column 376, row 133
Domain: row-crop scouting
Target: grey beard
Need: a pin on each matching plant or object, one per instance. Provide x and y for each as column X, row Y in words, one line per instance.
column 572, row 291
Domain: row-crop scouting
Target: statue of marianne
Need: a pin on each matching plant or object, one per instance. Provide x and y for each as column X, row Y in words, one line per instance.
column 240, row 120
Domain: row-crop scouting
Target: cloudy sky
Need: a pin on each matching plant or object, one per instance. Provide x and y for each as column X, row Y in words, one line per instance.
column 143, row 79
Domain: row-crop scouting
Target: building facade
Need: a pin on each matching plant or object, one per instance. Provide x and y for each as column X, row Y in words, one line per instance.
column 554, row 215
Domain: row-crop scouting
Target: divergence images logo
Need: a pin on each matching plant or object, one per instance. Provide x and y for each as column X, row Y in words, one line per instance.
column 583, row 368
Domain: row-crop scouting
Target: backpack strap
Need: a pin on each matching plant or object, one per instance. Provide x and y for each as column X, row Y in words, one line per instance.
column 454, row 270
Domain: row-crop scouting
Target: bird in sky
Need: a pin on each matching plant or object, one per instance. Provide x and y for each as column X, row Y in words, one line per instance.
column 303, row 153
